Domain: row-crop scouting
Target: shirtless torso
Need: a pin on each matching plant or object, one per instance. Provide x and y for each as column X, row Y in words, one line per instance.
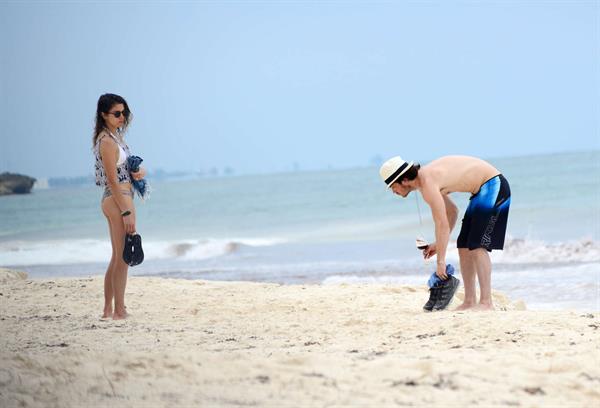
column 457, row 174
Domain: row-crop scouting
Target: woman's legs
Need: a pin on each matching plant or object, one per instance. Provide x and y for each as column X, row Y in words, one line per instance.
column 117, row 274
column 108, row 289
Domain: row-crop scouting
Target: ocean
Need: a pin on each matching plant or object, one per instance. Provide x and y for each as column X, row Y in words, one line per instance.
column 335, row 226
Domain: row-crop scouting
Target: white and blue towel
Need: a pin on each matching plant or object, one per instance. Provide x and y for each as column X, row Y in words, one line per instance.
column 434, row 280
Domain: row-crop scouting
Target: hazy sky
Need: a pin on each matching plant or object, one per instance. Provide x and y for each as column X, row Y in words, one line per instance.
column 259, row 86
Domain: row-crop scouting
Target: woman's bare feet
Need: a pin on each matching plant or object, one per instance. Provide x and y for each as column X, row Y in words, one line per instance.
column 108, row 313
column 120, row 315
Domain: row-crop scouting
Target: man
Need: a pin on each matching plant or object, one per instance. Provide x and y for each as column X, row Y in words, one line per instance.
column 483, row 226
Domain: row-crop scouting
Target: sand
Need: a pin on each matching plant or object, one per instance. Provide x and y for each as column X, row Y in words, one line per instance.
column 204, row 343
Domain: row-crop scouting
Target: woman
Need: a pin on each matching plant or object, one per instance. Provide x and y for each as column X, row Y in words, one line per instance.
column 112, row 172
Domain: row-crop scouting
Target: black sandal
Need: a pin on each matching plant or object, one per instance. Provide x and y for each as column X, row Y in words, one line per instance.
column 133, row 254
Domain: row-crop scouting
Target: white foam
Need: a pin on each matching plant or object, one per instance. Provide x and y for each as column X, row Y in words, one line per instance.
column 542, row 287
column 65, row 252
column 533, row 251
column 386, row 279
column 528, row 251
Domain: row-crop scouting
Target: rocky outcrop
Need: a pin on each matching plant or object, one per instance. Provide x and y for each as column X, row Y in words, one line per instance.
column 10, row 275
column 11, row 183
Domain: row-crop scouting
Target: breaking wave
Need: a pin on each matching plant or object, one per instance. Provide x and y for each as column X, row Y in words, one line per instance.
column 530, row 251
column 19, row 253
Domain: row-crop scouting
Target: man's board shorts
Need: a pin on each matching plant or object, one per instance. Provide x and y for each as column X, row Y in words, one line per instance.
column 484, row 223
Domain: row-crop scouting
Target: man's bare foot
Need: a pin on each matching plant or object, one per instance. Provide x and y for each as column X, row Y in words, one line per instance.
column 108, row 313
column 483, row 307
column 465, row 306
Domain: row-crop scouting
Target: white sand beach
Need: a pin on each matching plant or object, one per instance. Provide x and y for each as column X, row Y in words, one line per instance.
column 234, row 344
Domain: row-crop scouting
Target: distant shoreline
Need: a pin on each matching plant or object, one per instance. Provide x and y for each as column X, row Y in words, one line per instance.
column 174, row 175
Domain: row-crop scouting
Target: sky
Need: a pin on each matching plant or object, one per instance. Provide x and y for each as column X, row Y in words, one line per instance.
column 270, row 86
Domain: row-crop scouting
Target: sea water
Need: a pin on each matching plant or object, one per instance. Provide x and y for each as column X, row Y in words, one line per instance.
column 335, row 226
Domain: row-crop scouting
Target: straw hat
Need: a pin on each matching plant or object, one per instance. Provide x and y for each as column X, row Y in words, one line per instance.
column 392, row 169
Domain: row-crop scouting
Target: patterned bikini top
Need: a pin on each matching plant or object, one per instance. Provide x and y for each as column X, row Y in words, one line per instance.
column 122, row 168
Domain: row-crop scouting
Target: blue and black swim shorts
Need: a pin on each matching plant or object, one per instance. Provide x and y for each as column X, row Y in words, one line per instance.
column 484, row 223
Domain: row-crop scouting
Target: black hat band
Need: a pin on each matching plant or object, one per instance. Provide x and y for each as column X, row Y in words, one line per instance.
column 396, row 174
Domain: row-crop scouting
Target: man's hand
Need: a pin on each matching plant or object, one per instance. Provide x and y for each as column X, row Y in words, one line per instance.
column 430, row 251
column 441, row 271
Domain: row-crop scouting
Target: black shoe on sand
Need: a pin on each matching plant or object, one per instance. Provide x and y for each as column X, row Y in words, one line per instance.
column 434, row 294
column 446, row 293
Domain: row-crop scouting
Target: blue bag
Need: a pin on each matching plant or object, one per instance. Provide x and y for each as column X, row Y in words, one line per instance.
column 140, row 186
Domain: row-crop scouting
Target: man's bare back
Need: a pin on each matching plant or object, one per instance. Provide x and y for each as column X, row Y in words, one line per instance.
column 458, row 174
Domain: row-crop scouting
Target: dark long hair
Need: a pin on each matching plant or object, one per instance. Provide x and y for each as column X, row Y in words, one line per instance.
column 105, row 104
